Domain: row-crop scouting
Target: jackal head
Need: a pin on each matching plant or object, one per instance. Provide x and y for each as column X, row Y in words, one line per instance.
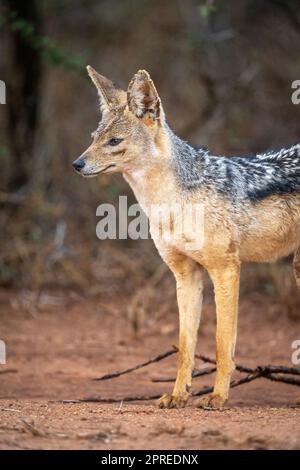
column 128, row 134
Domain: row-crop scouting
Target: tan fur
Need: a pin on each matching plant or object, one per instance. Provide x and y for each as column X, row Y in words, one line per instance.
column 229, row 238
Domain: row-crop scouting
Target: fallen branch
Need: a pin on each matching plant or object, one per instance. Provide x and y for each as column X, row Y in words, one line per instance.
column 283, row 379
column 265, row 371
column 268, row 368
column 202, row 391
column 139, row 366
column 114, row 400
column 270, row 372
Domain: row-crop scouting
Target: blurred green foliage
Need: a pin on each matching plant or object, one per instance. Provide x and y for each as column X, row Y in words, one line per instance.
column 207, row 8
column 50, row 53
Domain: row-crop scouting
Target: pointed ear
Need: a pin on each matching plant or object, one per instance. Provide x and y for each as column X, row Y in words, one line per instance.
column 109, row 95
column 142, row 97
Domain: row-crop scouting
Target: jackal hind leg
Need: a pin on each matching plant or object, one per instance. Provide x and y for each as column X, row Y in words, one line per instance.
column 226, row 287
column 189, row 286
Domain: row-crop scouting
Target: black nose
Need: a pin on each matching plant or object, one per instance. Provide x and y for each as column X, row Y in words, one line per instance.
column 78, row 164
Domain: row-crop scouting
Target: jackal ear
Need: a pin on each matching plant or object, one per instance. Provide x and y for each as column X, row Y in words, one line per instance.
column 109, row 95
column 142, row 97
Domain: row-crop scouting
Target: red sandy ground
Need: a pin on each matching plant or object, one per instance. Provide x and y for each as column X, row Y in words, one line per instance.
column 57, row 353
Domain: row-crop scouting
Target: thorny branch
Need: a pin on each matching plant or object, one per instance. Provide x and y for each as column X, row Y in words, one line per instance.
column 270, row 372
column 139, row 366
column 264, row 371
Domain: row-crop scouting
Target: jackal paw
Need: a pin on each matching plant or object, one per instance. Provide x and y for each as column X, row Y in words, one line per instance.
column 211, row 401
column 298, row 401
column 173, row 401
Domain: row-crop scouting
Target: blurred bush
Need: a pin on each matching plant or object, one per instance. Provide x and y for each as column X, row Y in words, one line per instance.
column 224, row 71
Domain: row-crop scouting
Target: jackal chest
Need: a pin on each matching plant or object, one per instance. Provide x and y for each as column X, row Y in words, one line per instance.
column 178, row 226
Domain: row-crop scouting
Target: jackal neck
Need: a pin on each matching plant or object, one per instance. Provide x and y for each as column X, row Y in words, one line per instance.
column 188, row 162
column 155, row 182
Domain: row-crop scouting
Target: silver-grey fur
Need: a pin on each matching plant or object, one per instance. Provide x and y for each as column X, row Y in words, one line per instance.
column 250, row 177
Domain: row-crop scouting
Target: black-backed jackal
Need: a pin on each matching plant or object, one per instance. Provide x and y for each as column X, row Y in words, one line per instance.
column 251, row 213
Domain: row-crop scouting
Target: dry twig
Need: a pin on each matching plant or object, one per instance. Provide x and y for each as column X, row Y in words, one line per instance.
column 139, row 366
column 270, row 372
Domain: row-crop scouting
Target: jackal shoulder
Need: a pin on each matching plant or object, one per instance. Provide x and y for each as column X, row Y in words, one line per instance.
column 237, row 178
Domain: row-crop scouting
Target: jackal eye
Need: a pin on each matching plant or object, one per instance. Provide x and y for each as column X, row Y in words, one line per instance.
column 115, row 141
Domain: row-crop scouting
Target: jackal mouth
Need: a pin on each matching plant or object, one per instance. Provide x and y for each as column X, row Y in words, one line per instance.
column 95, row 173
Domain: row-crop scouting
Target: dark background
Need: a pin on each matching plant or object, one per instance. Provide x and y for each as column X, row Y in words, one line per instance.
column 224, row 71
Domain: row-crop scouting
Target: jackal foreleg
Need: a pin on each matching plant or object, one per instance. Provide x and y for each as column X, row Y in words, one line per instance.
column 226, row 286
column 189, row 296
